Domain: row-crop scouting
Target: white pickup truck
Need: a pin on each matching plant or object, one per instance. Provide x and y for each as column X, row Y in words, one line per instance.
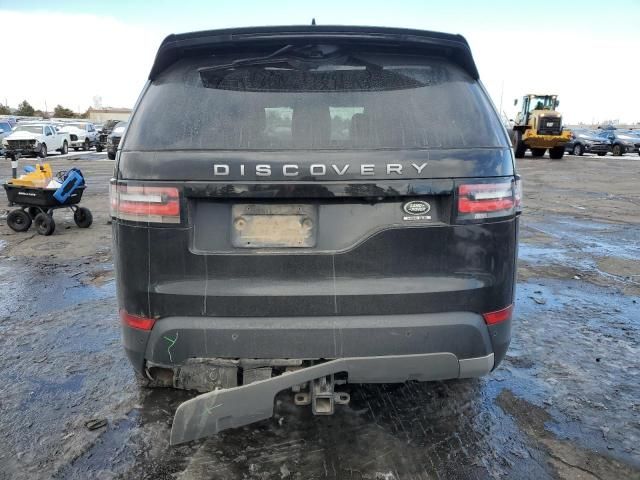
column 83, row 135
column 35, row 139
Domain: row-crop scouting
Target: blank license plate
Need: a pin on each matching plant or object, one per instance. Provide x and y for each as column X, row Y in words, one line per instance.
column 263, row 226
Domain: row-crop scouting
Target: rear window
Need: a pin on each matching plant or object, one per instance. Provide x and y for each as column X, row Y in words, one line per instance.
column 344, row 101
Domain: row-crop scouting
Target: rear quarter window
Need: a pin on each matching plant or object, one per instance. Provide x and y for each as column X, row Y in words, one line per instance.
column 372, row 102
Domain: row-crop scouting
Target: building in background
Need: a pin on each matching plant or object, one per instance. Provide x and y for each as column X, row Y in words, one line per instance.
column 101, row 115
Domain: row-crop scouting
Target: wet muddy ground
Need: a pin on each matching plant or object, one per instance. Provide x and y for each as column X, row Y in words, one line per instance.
column 564, row 404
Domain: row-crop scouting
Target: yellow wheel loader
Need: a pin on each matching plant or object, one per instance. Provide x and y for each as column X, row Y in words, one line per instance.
column 538, row 127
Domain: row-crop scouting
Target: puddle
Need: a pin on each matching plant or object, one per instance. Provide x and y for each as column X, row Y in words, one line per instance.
column 45, row 288
column 589, row 237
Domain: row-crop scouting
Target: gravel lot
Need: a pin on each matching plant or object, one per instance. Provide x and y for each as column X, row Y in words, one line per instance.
column 564, row 404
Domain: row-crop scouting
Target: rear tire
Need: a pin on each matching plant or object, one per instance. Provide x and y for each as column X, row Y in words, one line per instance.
column 519, row 148
column 18, row 220
column 98, row 148
column 617, row 150
column 538, row 152
column 578, row 150
column 65, row 148
column 556, row 153
column 602, row 154
column 83, row 218
column 86, row 145
column 43, row 151
column 45, row 225
column 111, row 156
column 75, row 149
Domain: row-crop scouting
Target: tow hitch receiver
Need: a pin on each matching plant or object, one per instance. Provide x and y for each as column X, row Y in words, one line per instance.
column 212, row 412
column 322, row 398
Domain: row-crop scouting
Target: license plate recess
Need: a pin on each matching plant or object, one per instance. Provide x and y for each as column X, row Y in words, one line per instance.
column 274, row 226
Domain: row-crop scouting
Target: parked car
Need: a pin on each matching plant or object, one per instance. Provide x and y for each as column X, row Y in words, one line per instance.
column 11, row 120
column 113, row 139
column 587, row 141
column 622, row 141
column 83, row 135
column 36, row 139
column 104, row 132
column 255, row 238
column 5, row 130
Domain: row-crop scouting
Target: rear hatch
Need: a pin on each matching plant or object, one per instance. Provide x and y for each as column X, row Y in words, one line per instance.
column 315, row 177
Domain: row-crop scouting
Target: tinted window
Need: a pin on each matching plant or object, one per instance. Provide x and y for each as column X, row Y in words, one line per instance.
column 368, row 102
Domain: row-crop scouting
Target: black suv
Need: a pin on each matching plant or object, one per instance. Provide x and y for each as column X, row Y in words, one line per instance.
column 587, row 141
column 104, row 132
column 295, row 207
column 622, row 141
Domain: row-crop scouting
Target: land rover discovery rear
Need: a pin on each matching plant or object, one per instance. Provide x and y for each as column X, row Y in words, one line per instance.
column 296, row 205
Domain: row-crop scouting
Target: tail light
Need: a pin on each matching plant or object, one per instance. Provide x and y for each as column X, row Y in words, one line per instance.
column 478, row 201
column 517, row 193
column 145, row 203
column 499, row 316
column 135, row 321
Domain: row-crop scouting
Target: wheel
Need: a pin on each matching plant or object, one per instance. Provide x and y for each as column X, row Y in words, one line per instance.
column 578, row 150
column 617, row 150
column 86, row 145
column 76, row 149
column 44, row 224
column 111, row 155
column 602, row 154
column 556, row 153
column 18, row 220
column 43, row 151
column 83, row 218
column 518, row 146
column 65, row 148
column 538, row 152
column 98, row 148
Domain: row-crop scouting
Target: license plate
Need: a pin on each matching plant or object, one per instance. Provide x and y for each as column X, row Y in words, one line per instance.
column 272, row 226
column 549, row 124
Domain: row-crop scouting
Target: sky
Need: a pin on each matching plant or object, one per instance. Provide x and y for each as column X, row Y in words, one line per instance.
column 83, row 53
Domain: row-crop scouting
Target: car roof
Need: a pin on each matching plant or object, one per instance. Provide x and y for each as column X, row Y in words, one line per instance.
column 174, row 47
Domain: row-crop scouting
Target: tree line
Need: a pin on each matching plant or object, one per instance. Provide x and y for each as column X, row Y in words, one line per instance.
column 26, row 110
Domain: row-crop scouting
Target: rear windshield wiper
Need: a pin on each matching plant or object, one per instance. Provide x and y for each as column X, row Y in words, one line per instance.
column 298, row 62
column 249, row 61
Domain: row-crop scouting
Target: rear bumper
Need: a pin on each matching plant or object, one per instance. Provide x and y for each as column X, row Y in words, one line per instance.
column 463, row 335
column 219, row 410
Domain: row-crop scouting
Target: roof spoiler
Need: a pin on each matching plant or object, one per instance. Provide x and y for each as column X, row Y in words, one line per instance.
column 174, row 47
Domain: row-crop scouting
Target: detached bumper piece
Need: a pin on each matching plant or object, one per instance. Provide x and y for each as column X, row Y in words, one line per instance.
column 219, row 410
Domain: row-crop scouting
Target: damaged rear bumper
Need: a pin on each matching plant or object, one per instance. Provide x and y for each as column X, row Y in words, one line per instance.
column 175, row 340
column 219, row 410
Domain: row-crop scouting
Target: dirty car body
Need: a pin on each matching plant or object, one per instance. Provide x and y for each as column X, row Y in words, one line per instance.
column 293, row 205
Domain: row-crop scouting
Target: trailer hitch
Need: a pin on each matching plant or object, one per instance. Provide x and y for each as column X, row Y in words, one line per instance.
column 215, row 411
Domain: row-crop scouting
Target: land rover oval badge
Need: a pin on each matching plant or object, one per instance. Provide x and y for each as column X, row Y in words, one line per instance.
column 416, row 210
column 416, row 207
